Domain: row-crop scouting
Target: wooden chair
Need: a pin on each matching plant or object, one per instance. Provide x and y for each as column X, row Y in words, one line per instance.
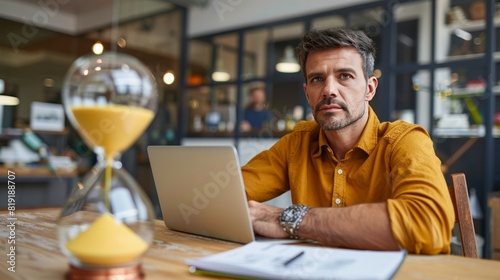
column 463, row 215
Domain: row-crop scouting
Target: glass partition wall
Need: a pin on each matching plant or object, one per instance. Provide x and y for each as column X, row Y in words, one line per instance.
column 437, row 64
column 235, row 64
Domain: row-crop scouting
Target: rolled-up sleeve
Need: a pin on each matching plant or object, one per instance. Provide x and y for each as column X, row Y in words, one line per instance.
column 420, row 209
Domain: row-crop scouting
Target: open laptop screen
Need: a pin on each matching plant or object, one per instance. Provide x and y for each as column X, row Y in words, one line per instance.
column 201, row 191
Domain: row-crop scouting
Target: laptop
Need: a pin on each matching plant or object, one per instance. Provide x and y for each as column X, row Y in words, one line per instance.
column 201, row 191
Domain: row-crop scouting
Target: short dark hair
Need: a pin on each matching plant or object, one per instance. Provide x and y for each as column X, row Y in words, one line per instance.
column 256, row 88
column 331, row 38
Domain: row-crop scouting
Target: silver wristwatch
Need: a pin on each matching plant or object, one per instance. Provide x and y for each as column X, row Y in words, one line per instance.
column 291, row 218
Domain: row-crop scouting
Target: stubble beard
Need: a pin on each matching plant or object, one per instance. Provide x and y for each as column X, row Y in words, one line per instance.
column 330, row 122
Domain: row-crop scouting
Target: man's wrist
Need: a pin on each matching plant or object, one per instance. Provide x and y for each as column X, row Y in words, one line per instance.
column 291, row 218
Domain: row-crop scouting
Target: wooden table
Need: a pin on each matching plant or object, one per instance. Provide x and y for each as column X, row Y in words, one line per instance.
column 38, row 255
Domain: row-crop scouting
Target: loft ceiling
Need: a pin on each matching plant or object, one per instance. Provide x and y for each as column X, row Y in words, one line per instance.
column 75, row 17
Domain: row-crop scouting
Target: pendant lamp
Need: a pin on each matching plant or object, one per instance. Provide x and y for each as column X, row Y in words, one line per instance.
column 288, row 64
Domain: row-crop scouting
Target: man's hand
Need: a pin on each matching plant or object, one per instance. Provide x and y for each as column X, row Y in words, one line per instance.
column 245, row 126
column 265, row 220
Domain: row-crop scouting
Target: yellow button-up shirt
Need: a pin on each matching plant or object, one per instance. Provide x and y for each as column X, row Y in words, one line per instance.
column 392, row 162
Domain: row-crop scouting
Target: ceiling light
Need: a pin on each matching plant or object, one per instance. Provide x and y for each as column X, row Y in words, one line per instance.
column 121, row 42
column 168, row 78
column 288, row 64
column 220, row 74
column 48, row 82
column 7, row 100
column 98, row 48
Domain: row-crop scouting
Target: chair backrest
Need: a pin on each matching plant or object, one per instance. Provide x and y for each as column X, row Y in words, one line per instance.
column 463, row 215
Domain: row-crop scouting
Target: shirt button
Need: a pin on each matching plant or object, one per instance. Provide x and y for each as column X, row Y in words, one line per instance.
column 339, row 171
column 337, row 201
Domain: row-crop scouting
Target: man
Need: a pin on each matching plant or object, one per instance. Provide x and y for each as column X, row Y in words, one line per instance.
column 354, row 182
column 255, row 114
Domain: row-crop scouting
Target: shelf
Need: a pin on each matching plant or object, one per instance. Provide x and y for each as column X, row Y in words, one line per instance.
column 471, row 28
column 36, row 171
column 496, row 56
column 477, row 131
column 471, row 92
column 472, row 25
column 18, row 132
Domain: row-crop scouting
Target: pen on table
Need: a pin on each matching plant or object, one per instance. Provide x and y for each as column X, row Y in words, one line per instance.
column 290, row 260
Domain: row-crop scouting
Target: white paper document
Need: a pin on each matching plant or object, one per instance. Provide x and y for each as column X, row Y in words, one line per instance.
column 283, row 261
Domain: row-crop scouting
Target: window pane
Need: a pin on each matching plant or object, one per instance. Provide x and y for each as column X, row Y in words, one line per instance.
column 212, row 112
column 288, row 104
column 413, row 24
column 226, row 58
column 405, row 98
column 255, row 54
column 199, row 61
column 286, row 38
column 369, row 21
column 420, row 83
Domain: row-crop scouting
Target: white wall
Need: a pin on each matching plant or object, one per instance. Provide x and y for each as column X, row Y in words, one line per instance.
column 220, row 15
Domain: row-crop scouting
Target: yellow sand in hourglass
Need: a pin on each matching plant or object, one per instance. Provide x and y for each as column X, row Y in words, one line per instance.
column 107, row 242
column 113, row 127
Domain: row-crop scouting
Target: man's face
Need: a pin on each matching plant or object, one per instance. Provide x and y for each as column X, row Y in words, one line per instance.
column 336, row 88
column 258, row 96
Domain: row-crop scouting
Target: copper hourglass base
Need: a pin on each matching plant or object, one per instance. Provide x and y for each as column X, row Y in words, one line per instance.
column 122, row 273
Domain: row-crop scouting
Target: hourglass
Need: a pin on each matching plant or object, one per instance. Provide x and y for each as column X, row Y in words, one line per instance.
column 107, row 222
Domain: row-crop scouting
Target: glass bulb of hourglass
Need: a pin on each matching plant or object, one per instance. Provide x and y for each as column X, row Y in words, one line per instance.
column 110, row 100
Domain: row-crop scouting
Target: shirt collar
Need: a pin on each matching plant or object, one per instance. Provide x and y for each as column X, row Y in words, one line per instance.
column 367, row 141
column 369, row 137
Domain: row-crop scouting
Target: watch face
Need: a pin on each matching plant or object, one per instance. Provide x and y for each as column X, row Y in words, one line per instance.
column 289, row 215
